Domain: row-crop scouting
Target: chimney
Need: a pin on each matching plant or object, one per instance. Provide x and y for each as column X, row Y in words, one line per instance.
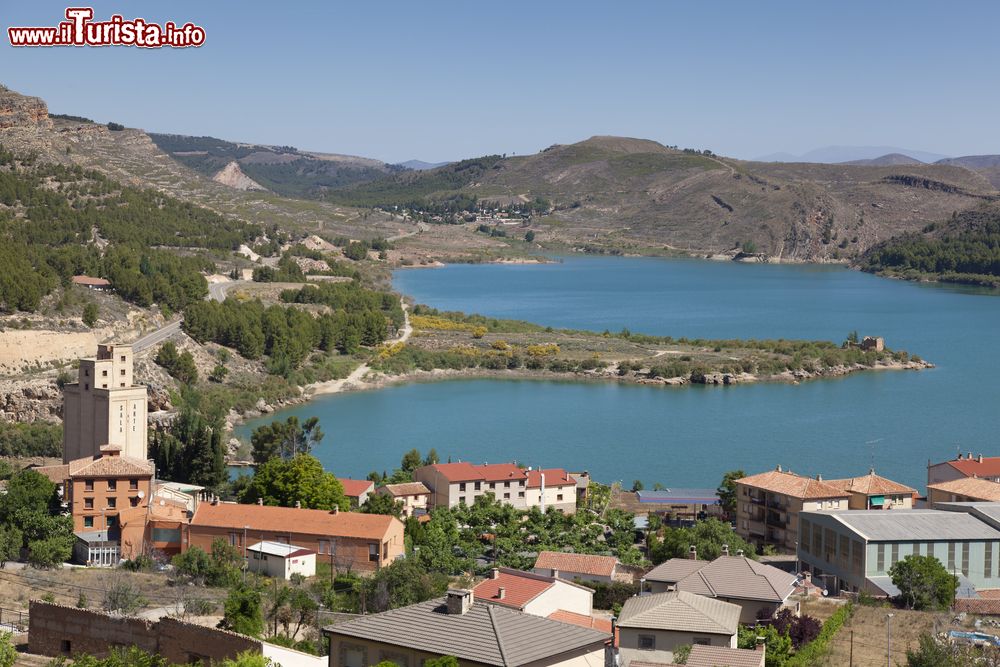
column 760, row 644
column 819, row 478
column 260, row 501
column 495, row 573
column 980, row 459
column 739, row 552
column 725, row 549
column 693, row 552
column 335, row 511
column 969, row 456
column 298, row 504
column 501, row 593
column 778, row 468
column 808, row 577
column 459, row 601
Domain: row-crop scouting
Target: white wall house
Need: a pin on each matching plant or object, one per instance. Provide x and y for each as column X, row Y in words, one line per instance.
column 279, row 560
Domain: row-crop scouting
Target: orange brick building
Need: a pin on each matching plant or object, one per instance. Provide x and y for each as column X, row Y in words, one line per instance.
column 353, row 541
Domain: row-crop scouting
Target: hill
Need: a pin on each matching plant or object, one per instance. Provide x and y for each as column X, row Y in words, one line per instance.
column 965, row 249
column 420, row 165
column 635, row 195
column 888, row 160
column 841, row 154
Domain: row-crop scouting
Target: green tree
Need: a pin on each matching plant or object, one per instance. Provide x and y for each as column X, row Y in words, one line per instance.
column 637, row 486
column 50, row 551
column 299, row 480
column 90, row 313
column 529, row 236
column 777, row 645
column 11, row 540
column 383, row 503
column 243, row 612
column 285, row 439
column 706, row 536
column 247, row 659
column 191, row 450
column 923, row 582
column 411, row 461
column 8, row 654
column 179, row 365
column 432, row 457
column 727, row 491
column 403, row 582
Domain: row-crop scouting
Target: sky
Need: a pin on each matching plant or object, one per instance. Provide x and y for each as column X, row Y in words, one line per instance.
column 442, row 80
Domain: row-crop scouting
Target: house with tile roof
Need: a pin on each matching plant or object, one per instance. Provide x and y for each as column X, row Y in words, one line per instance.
column 963, row 490
column 551, row 488
column 874, row 492
column 718, row 656
column 356, row 490
column 768, row 506
column 452, row 484
column 576, row 567
column 651, row 627
column 352, row 541
column 533, row 593
column 983, row 467
column 414, row 496
column 760, row 590
column 477, row 634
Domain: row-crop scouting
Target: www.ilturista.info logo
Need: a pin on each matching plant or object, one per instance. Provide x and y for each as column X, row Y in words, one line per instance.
column 79, row 29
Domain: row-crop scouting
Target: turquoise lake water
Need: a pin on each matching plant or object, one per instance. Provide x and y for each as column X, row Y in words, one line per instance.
column 688, row 436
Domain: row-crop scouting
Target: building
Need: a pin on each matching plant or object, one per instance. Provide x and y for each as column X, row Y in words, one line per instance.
column 357, row 490
column 104, row 407
column 768, row 506
column 682, row 504
column 352, row 540
column 651, row 627
column 963, row 490
column 873, row 492
column 983, row 467
column 577, row 567
column 873, row 343
column 534, row 593
column 854, row 550
column 98, row 284
column 718, row 656
column 414, row 496
column 478, row 635
column 280, row 561
column 760, row 590
column 454, row 484
column 551, row 488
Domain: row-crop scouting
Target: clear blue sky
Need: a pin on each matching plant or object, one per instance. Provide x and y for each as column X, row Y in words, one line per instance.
column 440, row 80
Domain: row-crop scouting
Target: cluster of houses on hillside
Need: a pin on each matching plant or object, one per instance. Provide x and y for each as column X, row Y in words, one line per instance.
column 837, row 535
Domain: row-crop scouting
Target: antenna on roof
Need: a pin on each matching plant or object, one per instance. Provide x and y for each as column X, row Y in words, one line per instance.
column 873, row 443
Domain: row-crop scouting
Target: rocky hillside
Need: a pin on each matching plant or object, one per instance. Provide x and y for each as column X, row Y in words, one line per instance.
column 234, row 177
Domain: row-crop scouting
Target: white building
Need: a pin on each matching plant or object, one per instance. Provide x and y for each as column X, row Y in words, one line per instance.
column 104, row 407
column 452, row 484
column 534, row 594
column 276, row 559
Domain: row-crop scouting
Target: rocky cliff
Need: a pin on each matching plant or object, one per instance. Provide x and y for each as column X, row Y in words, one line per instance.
column 234, row 177
column 21, row 111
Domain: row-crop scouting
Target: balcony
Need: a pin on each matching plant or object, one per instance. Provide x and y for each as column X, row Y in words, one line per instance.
column 756, row 528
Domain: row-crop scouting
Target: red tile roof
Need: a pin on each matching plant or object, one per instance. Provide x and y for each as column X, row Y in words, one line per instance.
column 553, row 477
column 872, row 485
column 969, row 487
column 90, row 281
column 602, row 624
column 467, row 472
column 520, row 588
column 291, row 520
column 567, row 563
column 981, row 606
column 972, row 467
column 354, row 488
column 790, row 484
column 406, row 489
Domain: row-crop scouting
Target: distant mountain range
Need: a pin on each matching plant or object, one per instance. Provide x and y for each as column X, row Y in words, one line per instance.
column 420, row 165
column 839, row 154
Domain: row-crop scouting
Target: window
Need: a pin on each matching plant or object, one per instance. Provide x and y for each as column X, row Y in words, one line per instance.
column 520, row 494
column 123, row 372
column 104, row 373
column 112, row 485
column 506, row 496
column 559, row 496
column 66, row 646
column 965, row 558
column 234, row 539
column 385, row 551
column 461, row 486
column 112, row 502
column 506, row 485
column 493, row 485
column 111, row 521
column 702, row 641
column 171, row 535
column 328, row 547
column 880, row 559
column 479, row 486
column 805, row 532
column 86, row 386
column 123, row 358
column 895, row 555
column 647, row 642
column 133, row 484
column 372, row 553
column 951, row 556
column 845, row 550
column 988, row 560
column 88, row 503
column 88, row 522
column 461, row 500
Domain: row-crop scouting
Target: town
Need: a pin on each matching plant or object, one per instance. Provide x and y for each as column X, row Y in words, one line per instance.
column 452, row 560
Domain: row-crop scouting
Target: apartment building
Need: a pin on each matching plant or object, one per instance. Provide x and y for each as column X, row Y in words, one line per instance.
column 768, row 506
column 452, row 484
column 104, row 406
column 551, row 488
column 983, row 467
column 874, row 492
column 414, row 496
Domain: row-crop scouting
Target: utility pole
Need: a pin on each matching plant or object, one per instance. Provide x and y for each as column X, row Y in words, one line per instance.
column 851, row 660
column 888, row 640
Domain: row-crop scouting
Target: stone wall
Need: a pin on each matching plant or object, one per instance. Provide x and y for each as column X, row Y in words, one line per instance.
column 56, row 630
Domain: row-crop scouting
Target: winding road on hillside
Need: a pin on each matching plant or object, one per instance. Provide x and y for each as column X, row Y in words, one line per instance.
column 216, row 292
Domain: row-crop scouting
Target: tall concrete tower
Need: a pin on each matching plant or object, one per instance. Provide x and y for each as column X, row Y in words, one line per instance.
column 104, row 407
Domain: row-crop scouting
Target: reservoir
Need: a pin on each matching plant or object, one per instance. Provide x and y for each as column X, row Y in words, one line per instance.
column 688, row 436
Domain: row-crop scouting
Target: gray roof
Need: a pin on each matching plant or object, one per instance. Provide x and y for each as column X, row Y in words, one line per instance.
column 675, row 569
column 680, row 611
column 922, row 525
column 486, row 633
column 988, row 512
column 739, row 577
column 716, row 656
